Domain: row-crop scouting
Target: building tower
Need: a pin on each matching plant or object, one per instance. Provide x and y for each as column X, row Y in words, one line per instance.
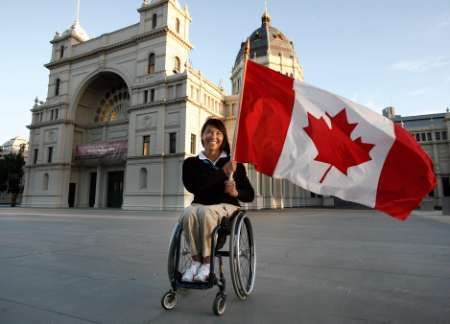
column 270, row 47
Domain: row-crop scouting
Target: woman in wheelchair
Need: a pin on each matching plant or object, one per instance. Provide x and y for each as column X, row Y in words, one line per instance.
column 216, row 195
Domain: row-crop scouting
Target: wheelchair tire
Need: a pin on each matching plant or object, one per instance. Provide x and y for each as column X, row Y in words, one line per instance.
column 242, row 256
column 220, row 304
column 173, row 252
column 169, row 300
column 179, row 257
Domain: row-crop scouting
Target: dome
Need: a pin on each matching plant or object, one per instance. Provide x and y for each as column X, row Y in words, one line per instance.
column 266, row 39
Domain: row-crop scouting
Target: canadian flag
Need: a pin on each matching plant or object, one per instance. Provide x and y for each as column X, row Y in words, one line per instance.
column 329, row 145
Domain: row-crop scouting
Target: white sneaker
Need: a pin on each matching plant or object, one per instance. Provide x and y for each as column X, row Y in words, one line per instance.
column 202, row 273
column 188, row 275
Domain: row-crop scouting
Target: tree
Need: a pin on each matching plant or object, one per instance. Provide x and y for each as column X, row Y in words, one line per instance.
column 11, row 173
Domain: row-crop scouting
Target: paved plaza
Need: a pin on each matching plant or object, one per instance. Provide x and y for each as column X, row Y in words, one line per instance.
column 314, row 266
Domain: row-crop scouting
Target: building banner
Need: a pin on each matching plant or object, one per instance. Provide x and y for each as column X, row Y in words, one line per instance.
column 115, row 150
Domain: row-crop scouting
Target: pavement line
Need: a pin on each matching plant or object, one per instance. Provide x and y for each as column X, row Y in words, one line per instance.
column 6, row 216
column 48, row 310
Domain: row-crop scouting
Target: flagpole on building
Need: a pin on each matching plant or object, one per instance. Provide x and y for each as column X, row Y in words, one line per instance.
column 241, row 95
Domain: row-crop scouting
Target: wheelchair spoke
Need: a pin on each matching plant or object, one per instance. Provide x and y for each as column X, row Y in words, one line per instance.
column 245, row 255
column 185, row 255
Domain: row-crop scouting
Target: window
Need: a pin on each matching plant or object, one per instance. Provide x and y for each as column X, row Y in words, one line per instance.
column 177, row 25
column 145, row 96
column 172, row 142
column 198, row 94
column 151, row 63
column 444, row 136
column 177, row 65
column 154, row 21
column 418, row 137
column 50, row 155
column 61, row 51
column 51, row 114
column 35, row 156
column 178, row 90
column 152, row 95
column 193, row 143
column 146, row 145
column 57, row 86
column 56, row 113
column 437, row 136
column 143, row 176
column 422, row 137
column 446, row 186
column 170, row 94
column 41, row 115
column 45, row 182
column 429, row 137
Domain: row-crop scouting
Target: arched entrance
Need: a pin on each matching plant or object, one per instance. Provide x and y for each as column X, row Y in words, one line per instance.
column 100, row 142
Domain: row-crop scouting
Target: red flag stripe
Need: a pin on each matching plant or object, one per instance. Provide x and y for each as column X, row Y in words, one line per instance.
column 406, row 177
column 266, row 109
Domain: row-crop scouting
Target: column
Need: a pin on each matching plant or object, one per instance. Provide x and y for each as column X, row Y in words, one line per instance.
column 98, row 186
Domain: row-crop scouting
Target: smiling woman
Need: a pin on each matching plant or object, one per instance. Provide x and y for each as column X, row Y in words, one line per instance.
column 218, row 184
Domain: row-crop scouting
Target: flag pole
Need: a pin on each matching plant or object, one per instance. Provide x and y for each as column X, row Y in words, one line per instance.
column 241, row 95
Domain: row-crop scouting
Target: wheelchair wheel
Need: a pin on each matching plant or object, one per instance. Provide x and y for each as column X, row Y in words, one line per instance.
column 169, row 300
column 242, row 256
column 220, row 304
column 179, row 254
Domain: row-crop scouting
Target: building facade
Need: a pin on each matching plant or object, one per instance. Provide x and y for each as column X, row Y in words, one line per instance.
column 431, row 132
column 125, row 109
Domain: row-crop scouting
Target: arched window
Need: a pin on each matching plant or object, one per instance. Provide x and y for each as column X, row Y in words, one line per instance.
column 151, row 63
column 57, row 86
column 177, row 65
column 61, row 51
column 143, row 175
column 177, row 25
column 154, row 20
column 45, row 182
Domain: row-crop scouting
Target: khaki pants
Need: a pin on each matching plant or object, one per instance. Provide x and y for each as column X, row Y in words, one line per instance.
column 199, row 221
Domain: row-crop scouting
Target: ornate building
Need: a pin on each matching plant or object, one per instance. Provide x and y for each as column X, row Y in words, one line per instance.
column 125, row 109
column 15, row 145
column 431, row 132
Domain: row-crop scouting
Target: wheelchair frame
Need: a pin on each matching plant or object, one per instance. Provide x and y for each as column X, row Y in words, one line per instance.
column 235, row 227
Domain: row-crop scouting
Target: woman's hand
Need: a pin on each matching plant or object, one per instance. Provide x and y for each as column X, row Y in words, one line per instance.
column 229, row 167
column 230, row 188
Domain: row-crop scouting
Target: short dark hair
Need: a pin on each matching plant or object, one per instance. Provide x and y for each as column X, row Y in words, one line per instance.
column 217, row 123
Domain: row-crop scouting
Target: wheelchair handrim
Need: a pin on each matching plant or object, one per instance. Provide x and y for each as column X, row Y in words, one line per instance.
column 250, row 279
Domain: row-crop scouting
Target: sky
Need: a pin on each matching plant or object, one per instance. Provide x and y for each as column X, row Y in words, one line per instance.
column 377, row 53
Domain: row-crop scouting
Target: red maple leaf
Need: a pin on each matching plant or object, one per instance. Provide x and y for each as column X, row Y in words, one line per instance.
column 335, row 145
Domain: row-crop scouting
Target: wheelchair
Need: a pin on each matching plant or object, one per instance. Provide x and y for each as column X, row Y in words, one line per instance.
column 238, row 230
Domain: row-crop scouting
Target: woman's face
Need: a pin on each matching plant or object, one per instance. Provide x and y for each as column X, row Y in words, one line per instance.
column 212, row 139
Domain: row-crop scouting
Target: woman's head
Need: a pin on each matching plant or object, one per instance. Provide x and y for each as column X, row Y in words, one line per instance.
column 214, row 135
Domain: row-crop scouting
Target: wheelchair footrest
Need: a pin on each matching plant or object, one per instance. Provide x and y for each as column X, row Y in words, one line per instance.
column 223, row 253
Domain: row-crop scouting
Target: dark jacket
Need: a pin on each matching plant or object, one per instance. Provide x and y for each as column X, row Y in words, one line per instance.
column 207, row 182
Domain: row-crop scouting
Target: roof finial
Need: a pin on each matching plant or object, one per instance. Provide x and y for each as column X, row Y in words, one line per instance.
column 266, row 17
